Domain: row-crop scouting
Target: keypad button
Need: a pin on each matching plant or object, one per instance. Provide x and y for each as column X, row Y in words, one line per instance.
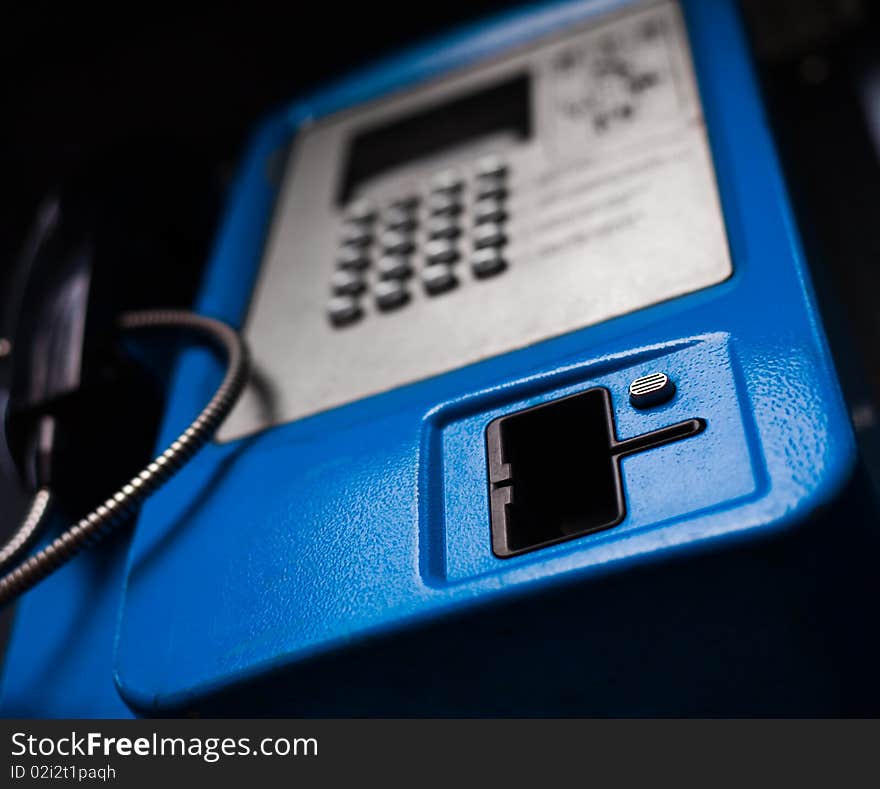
column 347, row 281
column 490, row 186
column 491, row 165
column 443, row 227
column 447, row 181
column 488, row 261
column 353, row 257
column 489, row 235
column 489, row 210
column 395, row 242
column 398, row 218
column 390, row 293
column 393, row 267
column 356, row 234
column 440, row 251
column 438, row 278
column 444, row 204
column 405, row 203
column 343, row 309
column 360, row 211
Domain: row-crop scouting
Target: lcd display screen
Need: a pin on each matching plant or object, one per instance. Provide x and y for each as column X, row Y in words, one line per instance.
column 500, row 108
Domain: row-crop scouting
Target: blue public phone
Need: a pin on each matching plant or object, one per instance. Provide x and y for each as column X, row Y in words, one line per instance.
column 542, row 418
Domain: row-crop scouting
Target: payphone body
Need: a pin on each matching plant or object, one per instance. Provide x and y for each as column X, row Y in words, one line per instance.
column 437, row 497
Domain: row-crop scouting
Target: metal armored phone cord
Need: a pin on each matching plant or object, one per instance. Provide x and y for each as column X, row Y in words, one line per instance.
column 121, row 504
column 30, row 528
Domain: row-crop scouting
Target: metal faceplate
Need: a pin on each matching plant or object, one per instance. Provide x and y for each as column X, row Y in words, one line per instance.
column 608, row 206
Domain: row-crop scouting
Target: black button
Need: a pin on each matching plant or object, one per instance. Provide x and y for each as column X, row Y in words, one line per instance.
column 353, row 257
column 397, row 218
column 489, row 209
column 448, row 181
column 488, row 261
column 440, row 251
column 490, row 186
column 397, row 243
column 407, row 203
column 360, row 211
column 443, row 227
column 393, row 267
column 492, row 165
column 343, row 309
column 444, row 204
column 488, row 235
column 347, row 281
column 356, row 234
column 390, row 294
column 438, row 278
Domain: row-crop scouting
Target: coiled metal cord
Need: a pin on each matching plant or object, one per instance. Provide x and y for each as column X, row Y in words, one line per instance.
column 115, row 509
column 30, row 528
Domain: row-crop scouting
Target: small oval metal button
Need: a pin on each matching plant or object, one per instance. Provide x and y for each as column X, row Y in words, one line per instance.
column 650, row 390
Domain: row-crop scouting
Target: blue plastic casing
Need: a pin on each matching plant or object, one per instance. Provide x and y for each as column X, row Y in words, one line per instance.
column 285, row 552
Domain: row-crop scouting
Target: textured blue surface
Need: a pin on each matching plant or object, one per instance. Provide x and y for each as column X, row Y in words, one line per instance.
column 60, row 658
column 374, row 516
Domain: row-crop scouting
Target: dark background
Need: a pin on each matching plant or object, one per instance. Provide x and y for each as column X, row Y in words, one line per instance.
column 149, row 107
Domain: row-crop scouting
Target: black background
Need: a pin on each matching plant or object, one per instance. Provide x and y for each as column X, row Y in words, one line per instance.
column 87, row 85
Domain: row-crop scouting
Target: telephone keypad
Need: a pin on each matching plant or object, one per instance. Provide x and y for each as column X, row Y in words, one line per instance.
column 428, row 232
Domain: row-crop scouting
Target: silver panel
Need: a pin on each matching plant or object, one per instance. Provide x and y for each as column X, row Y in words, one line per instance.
column 612, row 207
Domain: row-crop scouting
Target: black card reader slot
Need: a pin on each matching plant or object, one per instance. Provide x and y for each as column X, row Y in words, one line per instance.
column 554, row 470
